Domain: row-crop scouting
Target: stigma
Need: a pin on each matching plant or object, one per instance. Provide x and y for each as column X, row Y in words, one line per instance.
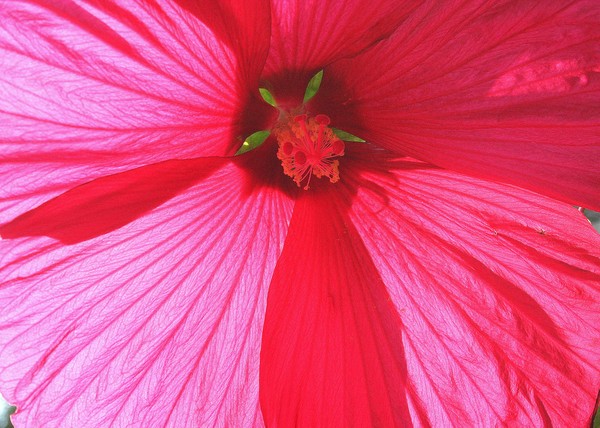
column 307, row 147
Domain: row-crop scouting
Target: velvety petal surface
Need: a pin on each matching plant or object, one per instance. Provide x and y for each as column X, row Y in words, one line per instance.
column 332, row 353
column 502, row 90
column 309, row 34
column 157, row 323
column 91, row 88
column 497, row 288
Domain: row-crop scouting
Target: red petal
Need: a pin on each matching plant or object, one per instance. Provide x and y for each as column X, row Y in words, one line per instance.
column 332, row 350
column 107, row 203
column 503, row 91
column 244, row 26
column 498, row 289
column 309, row 34
column 157, row 323
column 92, row 89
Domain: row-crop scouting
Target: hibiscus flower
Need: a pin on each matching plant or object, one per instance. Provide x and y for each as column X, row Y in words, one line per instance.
column 424, row 267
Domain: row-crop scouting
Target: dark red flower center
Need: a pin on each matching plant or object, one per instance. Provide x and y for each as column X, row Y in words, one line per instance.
column 307, row 147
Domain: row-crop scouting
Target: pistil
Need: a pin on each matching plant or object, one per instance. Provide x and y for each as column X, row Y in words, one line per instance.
column 307, row 147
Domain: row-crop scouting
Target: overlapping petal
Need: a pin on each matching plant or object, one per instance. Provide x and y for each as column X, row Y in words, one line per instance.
column 332, row 353
column 497, row 289
column 108, row 203
column 159, row 321
column 506, row 90
column 90, row 88
column 307, row 35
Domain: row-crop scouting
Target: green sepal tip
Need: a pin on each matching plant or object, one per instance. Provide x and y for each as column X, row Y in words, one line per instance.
column 253, row 141
column 267, row 96
column 313, row 86
column 346, row 136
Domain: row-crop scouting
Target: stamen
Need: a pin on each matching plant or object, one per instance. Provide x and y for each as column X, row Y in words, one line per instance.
column 307, row 147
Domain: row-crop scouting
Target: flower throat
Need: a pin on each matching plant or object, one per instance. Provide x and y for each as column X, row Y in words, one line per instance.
column 307, row 144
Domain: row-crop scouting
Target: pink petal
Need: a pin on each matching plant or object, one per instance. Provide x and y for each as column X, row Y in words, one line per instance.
column 309, row 34
column 332, row 343
column 92, row 89
column 158, row 321
column 508, row 91
column 497, row 288
column 107, row 203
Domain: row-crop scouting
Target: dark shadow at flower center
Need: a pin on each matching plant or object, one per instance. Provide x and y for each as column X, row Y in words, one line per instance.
column 288, row 89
